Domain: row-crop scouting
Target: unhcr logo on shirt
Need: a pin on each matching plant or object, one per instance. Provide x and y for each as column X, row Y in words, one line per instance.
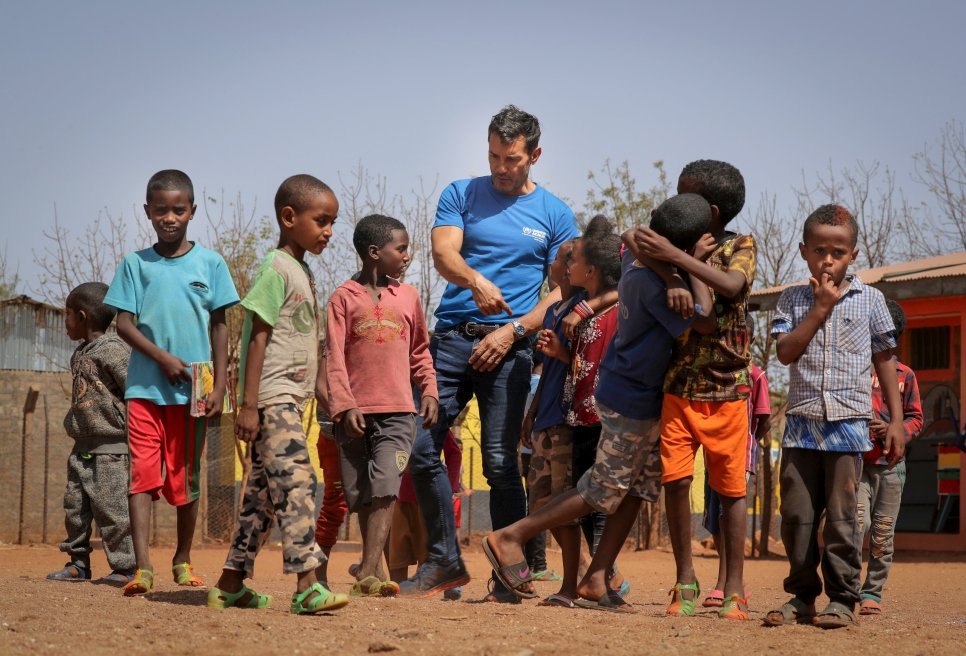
column 539, row 235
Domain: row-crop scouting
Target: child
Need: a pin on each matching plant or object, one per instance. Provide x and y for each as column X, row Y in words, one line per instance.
column 595, row 266
column 278, row 371
column 97, row 468
column 880, row 489
column 830, row 332
column 407, row 536
column 759, row 427
column 377, row 348
column 628, row 396
column 708, row 383
column 169, row 299
column 334, row 508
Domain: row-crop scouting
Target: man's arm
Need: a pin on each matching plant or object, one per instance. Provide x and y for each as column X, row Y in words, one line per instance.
column 790, row 346
column 219, row 356
column 246, row 422
column 488, row 354
column 174, row 369
column 894, row 444
column 447, row 242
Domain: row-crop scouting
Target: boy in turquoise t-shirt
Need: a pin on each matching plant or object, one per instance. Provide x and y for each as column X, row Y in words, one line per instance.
column 169, row 298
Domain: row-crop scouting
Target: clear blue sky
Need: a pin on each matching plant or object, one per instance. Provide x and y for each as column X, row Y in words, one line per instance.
column 98, row 96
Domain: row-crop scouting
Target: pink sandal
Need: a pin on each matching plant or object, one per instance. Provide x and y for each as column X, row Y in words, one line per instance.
column 716, row 599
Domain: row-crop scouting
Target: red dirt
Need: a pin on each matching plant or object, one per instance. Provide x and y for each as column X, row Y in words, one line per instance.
column 924, row 594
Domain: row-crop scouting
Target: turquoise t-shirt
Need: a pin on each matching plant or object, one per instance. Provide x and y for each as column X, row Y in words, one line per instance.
column 172, row 299
column 511, row 240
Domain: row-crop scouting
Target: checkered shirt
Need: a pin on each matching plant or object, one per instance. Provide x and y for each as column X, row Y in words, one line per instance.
column 832, row 380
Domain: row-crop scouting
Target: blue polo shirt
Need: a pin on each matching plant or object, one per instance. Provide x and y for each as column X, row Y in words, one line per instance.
column 632, row 371
column 511, row 240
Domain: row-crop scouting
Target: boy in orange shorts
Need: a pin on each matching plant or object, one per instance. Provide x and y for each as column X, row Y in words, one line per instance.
column 707, row 384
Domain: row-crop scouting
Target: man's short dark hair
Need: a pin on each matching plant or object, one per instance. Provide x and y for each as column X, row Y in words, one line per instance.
column 88, row 297
column 374, row 230
column 511, row 123
column 898, row 318
column 720, row 184
column 831, row 215
column 170, row 180
column 296, row 192
column 682, row 219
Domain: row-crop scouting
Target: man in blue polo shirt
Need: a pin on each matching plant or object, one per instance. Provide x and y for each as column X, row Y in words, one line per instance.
column 493, row 241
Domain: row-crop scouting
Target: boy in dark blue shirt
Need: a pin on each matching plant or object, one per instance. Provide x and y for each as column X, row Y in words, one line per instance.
column 629, row 396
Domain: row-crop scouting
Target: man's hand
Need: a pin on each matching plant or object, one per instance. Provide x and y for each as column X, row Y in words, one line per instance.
column 354, row 423
column 488, row 297
column 679, row 297
column 175, row 369
column 704, row 247
column 654, row 245
column 895, row 442
column 429, row 411
column 549, row 344
column 570, row 323
column 216, row 402
column 826, row 294
column 526, row 431
column 491, row 350
column 246, row 423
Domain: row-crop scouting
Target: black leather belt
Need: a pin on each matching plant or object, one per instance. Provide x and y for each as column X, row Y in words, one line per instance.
column 474, row 329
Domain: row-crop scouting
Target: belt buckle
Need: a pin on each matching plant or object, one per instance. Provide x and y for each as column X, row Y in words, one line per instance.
column 471, row 328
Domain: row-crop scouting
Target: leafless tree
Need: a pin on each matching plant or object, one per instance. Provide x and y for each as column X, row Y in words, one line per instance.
column 616, row 196
column 9, row 280
column 943, row 173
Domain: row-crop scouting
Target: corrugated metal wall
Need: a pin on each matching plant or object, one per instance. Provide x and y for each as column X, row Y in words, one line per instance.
column 33, row 338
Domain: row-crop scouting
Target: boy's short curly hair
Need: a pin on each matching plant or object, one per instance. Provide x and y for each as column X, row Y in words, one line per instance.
column 88, row 297
column 295, row 192
column 831, row 215
column 720, row 184
column 682, row 219
column 898, row 318
column 374, row 230
column 170, row 180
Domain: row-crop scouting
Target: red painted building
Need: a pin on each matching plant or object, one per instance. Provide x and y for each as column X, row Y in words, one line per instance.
column 933, row 294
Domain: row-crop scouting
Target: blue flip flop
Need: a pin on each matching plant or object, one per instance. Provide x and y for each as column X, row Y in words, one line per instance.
column 83, row 574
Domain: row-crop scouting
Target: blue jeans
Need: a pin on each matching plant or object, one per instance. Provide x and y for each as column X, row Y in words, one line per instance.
column 502, row 396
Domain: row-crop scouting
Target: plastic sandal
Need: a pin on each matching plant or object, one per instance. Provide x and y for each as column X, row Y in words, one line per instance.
column 83, row 574
column 625, row 589
column 731, row 611
column 794, row 611
column 558, row 600
column 221, row 599
column 187, row 576
column 547, row 575
column 512, row 576
column 611, row 602
column 324, row 600
column 142, row 584
column 870, row 607
column 714, row 599
column 837, row 616
column 679, row 605
column 375, row 588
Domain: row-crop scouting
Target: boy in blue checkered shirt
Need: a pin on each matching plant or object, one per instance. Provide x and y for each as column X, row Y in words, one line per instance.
column 830, row 332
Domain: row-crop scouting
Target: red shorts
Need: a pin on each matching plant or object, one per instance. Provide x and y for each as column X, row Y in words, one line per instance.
column 165, row 435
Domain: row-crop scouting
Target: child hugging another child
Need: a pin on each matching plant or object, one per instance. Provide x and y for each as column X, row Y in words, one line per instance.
column 97, row 468
column 377, row 348
column 595, row 266
column 628, row 402
column 278, row 372
column 830, row 333
column 171, row 301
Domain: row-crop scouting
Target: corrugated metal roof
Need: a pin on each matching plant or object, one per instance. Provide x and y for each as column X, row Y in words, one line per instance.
column 32, row 336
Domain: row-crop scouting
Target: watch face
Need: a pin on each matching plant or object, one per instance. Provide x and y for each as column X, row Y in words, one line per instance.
column 518, row 329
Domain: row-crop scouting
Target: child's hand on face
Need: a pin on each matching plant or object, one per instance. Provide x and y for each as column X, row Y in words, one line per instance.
column 175, row 369
column 354, row 423
column 704, row 247
column 246, row 424
column 654, row 245
column 549, row 344
column 826, row 293
column 429, row 411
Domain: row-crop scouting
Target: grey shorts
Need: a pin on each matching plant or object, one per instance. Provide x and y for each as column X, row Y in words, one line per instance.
column 372, row 465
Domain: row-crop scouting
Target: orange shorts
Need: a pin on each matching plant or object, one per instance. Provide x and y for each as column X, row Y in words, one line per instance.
column 721, row 427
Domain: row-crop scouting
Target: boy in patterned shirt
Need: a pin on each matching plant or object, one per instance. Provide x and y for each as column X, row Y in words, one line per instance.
column 278, row 372
column 707, row 384
column 830, row 333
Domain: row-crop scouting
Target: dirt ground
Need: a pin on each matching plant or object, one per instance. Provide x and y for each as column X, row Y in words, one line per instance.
column 925, row 613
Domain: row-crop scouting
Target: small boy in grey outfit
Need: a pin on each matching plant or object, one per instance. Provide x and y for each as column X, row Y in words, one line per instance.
column 98, row 466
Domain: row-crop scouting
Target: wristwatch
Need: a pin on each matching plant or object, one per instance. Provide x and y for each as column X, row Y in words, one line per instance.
column 519, row 331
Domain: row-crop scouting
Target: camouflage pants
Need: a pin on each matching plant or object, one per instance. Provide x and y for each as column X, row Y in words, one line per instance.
column 550, row 465
column 628, row 461
column 281, row 486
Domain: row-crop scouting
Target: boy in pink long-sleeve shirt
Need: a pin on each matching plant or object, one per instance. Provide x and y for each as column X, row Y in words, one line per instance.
column 378, row 347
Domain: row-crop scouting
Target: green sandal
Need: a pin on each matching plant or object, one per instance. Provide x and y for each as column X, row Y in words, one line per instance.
column 142, row 584
column 371, row 586
column 324, row 601
column 221, row 599
column 187, row 576
column 680, row 606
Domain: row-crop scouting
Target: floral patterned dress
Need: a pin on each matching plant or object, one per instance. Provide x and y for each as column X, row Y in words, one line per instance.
column 591, row 339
